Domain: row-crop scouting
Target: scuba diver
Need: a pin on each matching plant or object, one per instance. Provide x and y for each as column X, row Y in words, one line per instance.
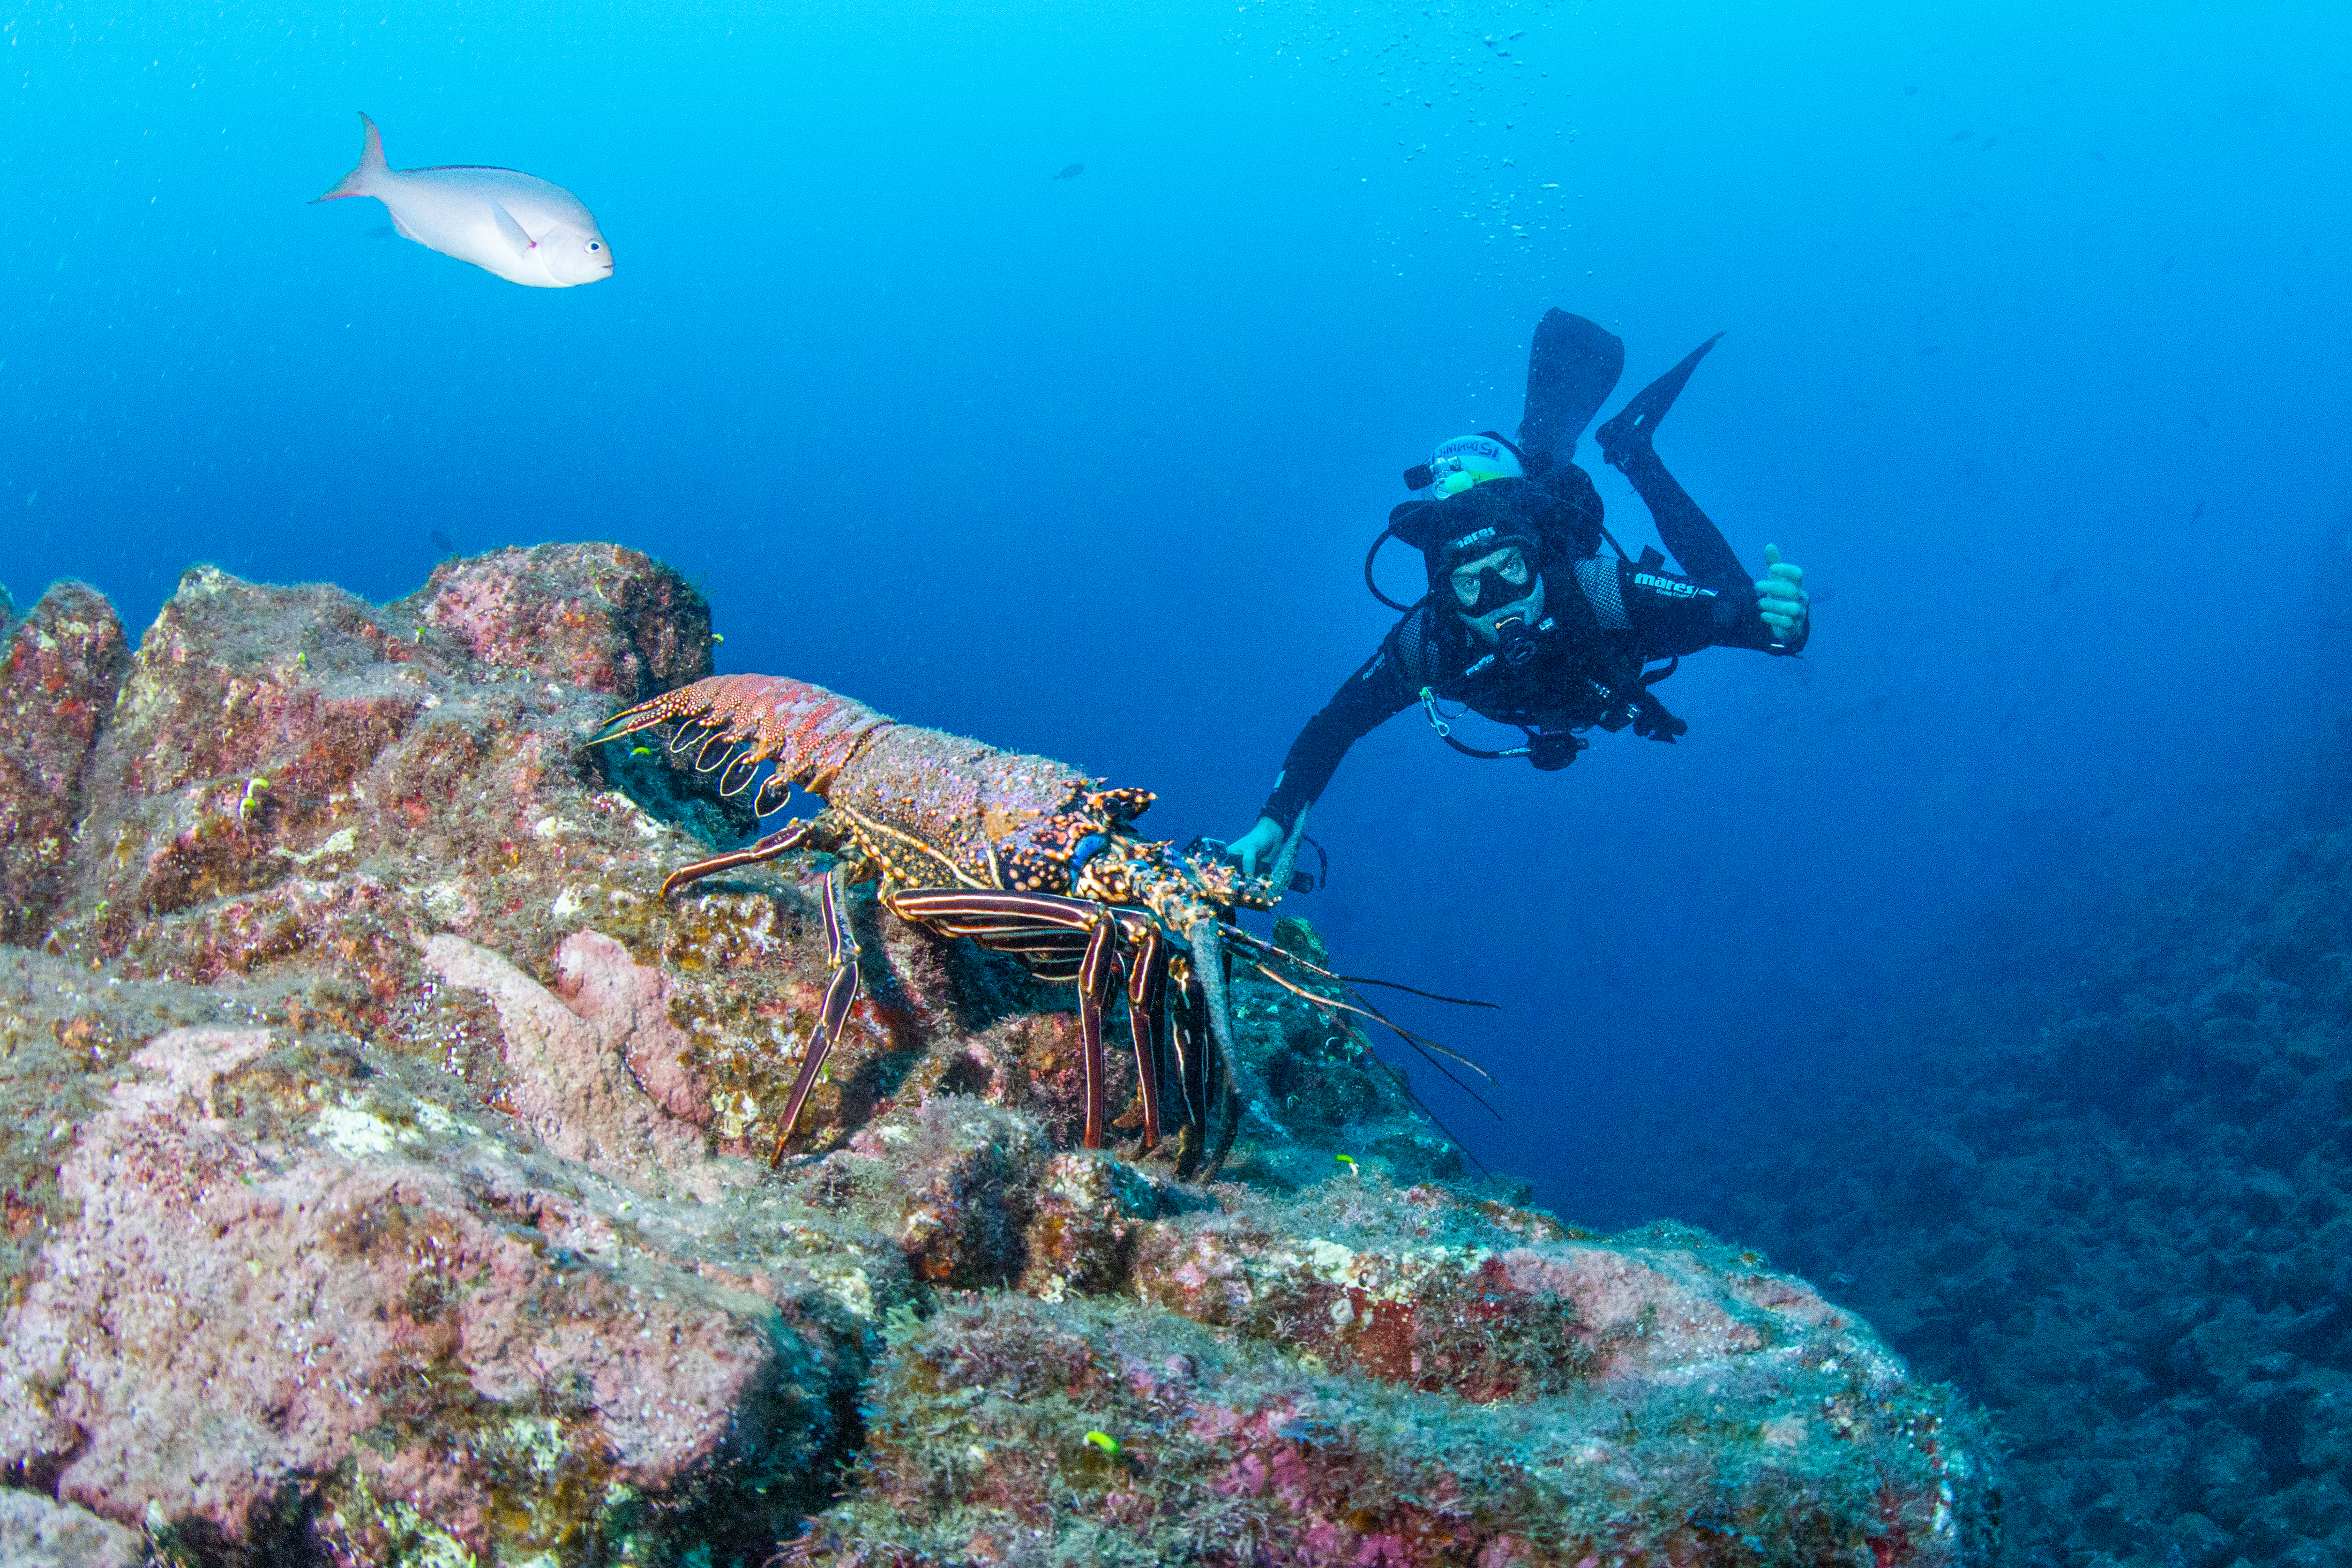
column 1526, row 620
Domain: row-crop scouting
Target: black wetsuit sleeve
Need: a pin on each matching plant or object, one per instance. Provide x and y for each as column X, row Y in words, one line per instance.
column 1371, row 697
column 1670, row 615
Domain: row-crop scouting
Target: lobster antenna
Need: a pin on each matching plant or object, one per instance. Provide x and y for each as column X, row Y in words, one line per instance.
column 1421, row 1043
column 1404, row 1084
column 1370, row 1011
column 1416, row 990
column 1361, row 1007
column 1288, row 956
column 1429, row 1049
column 1436, row 1120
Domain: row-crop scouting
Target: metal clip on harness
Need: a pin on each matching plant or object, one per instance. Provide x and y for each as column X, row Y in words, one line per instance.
column 1445, row 732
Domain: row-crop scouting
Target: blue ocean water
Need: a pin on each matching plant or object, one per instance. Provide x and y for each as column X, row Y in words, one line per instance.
column 2037, row 317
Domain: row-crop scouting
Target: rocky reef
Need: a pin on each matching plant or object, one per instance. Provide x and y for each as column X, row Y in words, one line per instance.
column 385, row 1182
column 2111, row 1194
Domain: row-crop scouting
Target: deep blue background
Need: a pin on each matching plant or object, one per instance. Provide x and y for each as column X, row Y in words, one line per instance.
column 2037, row 324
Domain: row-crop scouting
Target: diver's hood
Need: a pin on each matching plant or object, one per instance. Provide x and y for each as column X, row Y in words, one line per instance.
column 1556, row 508
column 1482, row 518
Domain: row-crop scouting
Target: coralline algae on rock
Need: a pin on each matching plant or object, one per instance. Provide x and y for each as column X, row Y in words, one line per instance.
column 35, row 1533
column 276, row 1298
column 602, row 617
column 60, row 668
column 386, row 1181
column 981, row 1448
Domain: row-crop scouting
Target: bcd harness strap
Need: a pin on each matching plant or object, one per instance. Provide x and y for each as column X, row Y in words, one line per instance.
column 1445, row 733
column 1635, row 706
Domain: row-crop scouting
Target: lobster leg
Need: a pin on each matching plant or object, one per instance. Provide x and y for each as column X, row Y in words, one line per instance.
column 1147, row 1001
column 1021, row 923
column 1047, row 932
column 840, row 996
column 1039, row 928
column 1098, row 973
column 1192, row 1048
column 1207, row 937
column 790, row 836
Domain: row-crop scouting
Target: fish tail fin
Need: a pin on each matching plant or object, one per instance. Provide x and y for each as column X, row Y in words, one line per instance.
column 361, row 181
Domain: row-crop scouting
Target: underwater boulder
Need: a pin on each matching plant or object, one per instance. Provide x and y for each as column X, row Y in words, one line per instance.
column 35, row 1533
column 603, row 617
column 294, row 1302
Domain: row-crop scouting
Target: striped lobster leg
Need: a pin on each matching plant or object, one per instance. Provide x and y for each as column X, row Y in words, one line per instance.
column 790, row 836
column 1146, row 1020
column 1195, row 1070
column 1057, row 937
column 841, row 952
column 840, row 995
column 1098, row 973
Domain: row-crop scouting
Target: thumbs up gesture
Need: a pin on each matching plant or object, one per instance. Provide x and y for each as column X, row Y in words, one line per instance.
column 1781, row 598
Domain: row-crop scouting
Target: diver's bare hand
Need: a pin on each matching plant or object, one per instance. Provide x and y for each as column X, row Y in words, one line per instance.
column 1263, row 842
column 1781, row 598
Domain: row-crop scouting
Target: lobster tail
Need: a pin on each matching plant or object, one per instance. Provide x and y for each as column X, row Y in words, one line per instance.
column 809, row 733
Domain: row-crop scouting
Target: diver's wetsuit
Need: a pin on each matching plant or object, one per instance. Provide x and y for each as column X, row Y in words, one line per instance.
column 1600, row 626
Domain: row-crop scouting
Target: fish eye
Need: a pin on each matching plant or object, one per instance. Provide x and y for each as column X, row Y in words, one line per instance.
column 594, row 245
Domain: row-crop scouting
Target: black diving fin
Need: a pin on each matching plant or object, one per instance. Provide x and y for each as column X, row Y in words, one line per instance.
column 1688, row 533
column 1638, row 420
column 1573, row 366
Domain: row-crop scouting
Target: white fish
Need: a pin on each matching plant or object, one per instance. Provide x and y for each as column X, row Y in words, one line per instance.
column 522, row 228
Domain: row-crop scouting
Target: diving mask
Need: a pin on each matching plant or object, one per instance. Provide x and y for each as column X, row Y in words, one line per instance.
column 1495, row 579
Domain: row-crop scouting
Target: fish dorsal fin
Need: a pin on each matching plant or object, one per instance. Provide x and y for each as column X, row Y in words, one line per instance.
column 513, row 230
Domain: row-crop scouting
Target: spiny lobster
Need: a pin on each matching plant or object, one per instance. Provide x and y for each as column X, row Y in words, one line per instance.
column 1021, row 853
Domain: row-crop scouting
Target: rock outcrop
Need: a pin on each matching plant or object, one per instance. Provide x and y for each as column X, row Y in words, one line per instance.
column 386, row 1180
column 2114, row 1191
column 60, row 669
